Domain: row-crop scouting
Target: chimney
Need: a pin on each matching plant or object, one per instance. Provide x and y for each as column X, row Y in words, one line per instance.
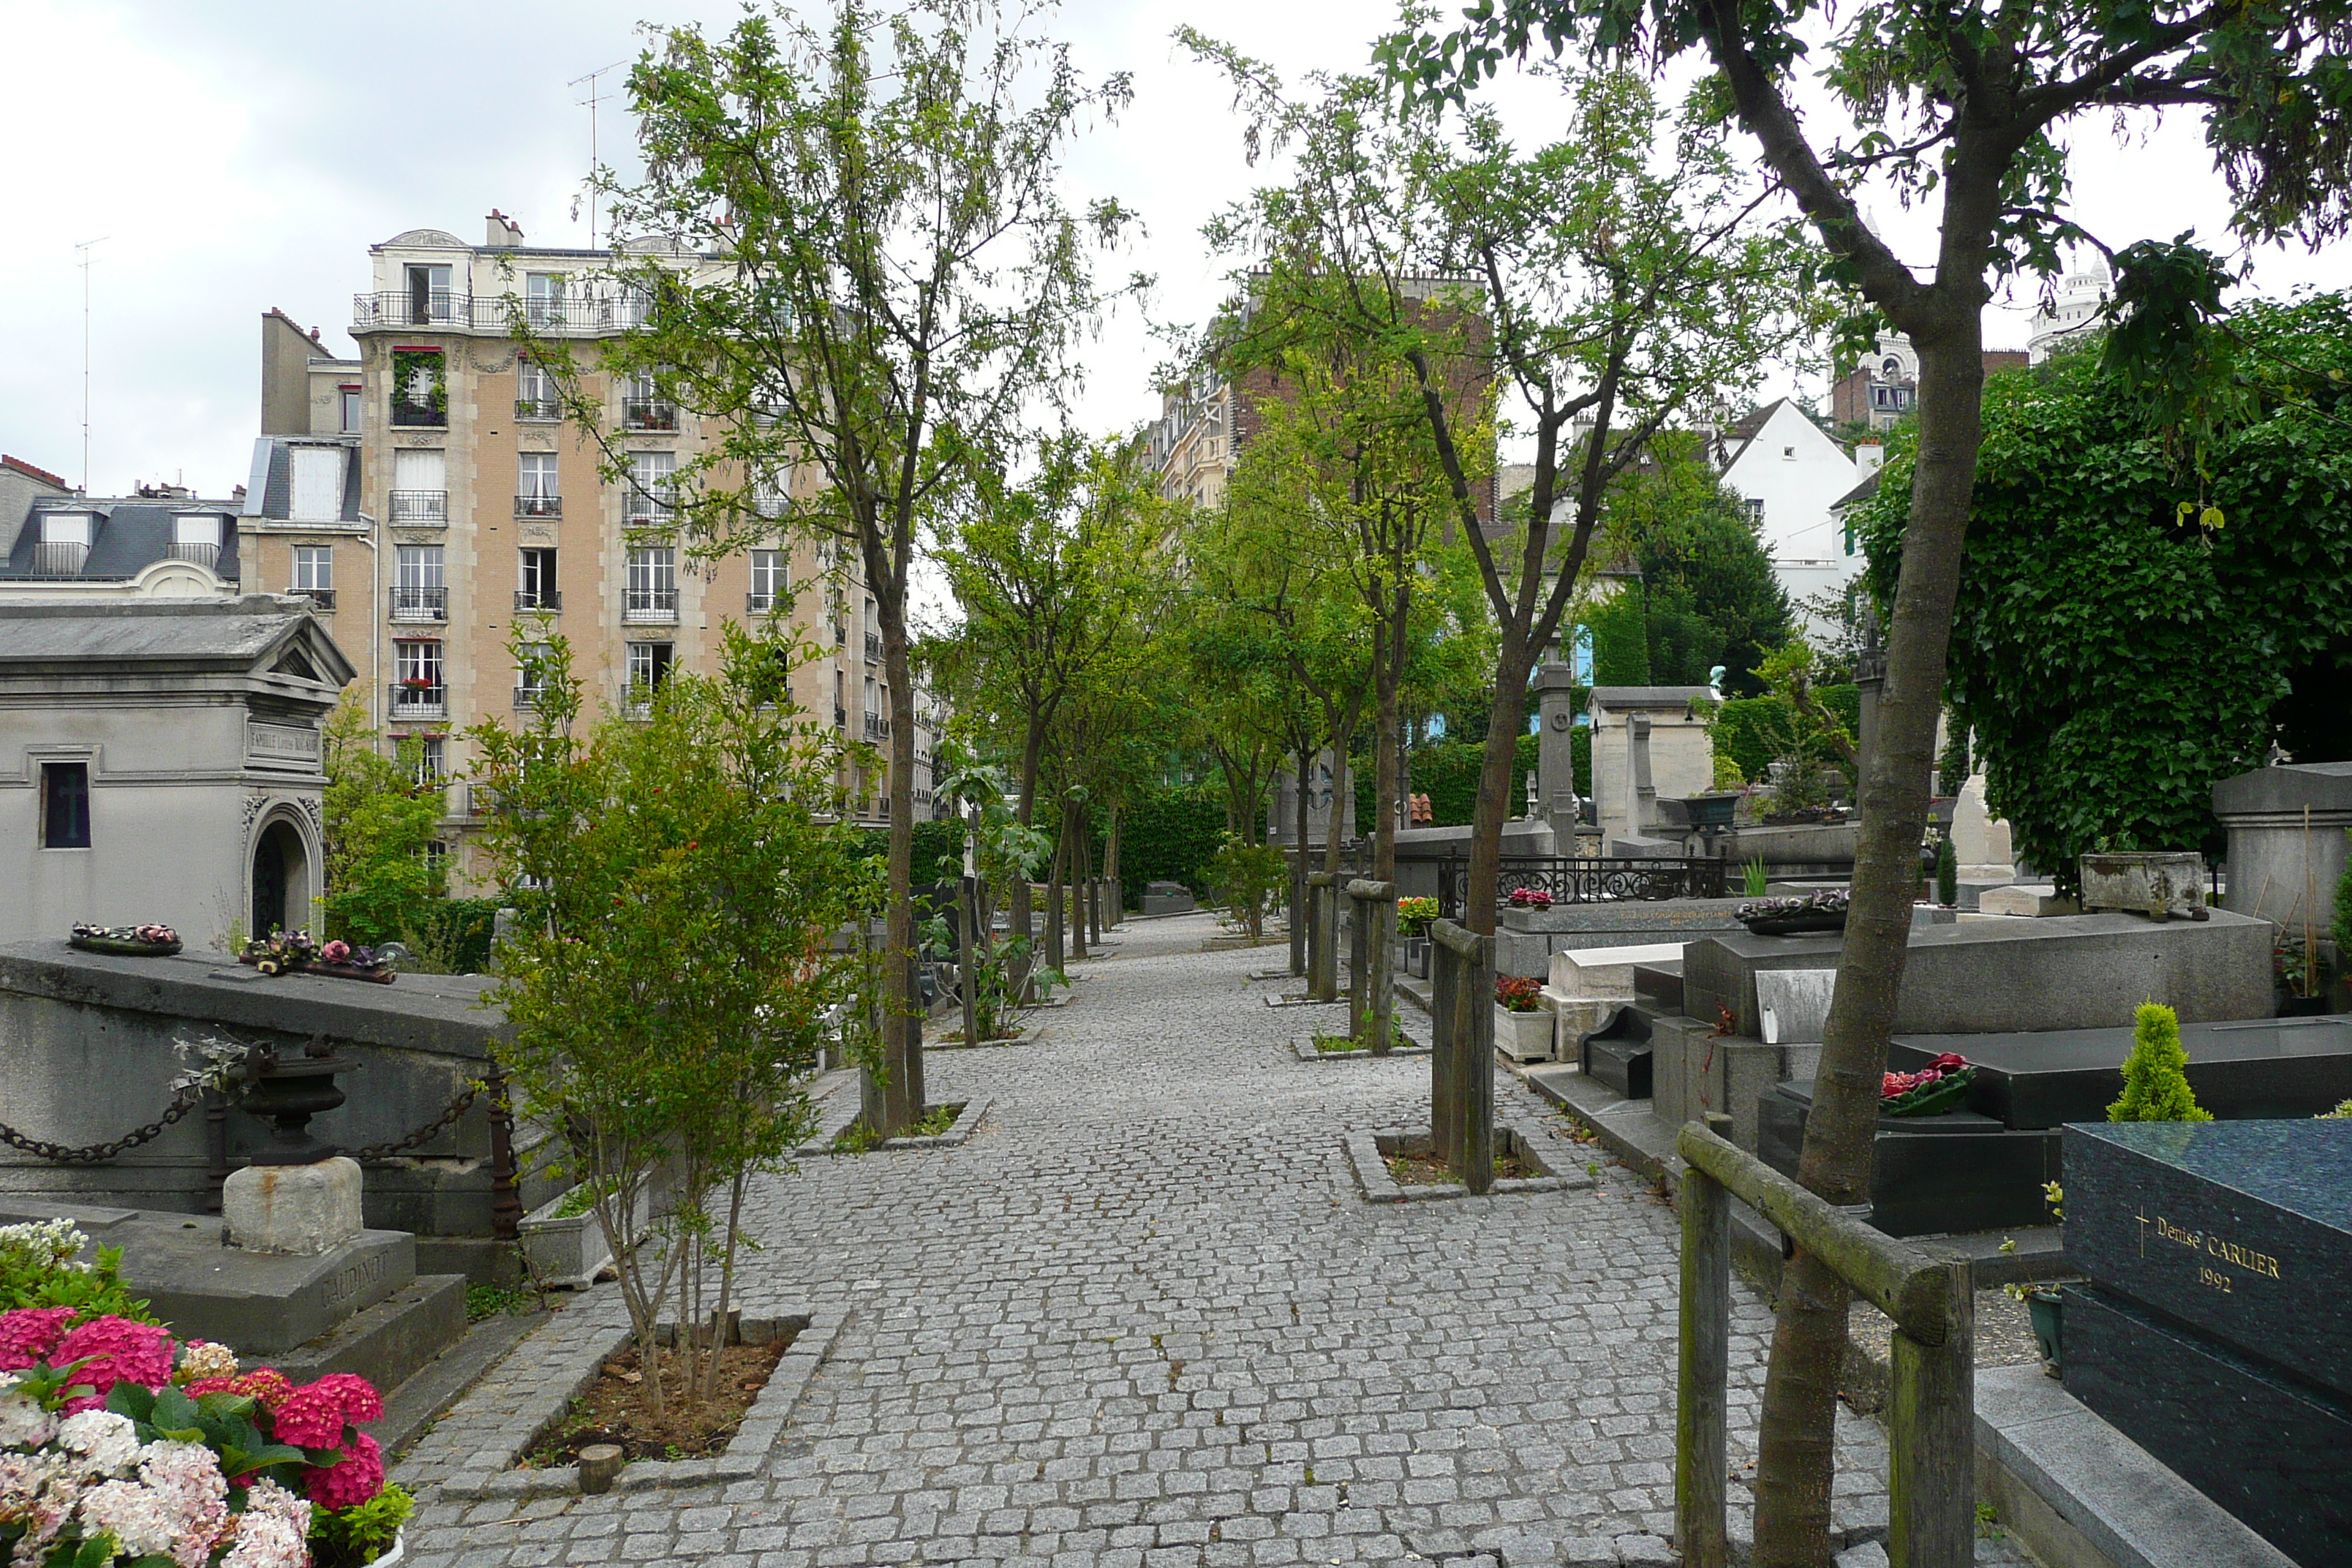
column 505, row 233
column 1870, row 457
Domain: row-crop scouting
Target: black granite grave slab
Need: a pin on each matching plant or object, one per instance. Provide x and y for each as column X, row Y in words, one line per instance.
column 1929, row 1175
column 1618, row 1054
column 2240, row 1229
column 1660, row 982
column 2262, row 1444
column 2247, row 1070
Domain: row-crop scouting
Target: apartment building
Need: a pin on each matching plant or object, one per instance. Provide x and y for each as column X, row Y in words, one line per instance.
column 163, row 542
column 435, row 503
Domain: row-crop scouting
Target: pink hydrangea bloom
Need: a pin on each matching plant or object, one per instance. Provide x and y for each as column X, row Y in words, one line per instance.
column 204, row 1385
column 29, row 1333
column 308, row 1417
column 119, row 1351
column 359, row 1400
column 355, row 1478
column 267, row 1386
column 273, row 1532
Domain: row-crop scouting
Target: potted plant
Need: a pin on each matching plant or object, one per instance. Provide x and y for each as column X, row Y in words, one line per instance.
column 1530, row 899
column 1413, row 918
column 153, row 1450
column 1792, row 916
column 1523, row 1026
column 2044, row 1307
column 150, row 941
column 2303, row 975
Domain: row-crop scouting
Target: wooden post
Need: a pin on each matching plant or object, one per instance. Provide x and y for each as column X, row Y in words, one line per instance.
column 1444, row 981
column 1360, row 966
column 1323, row 936
column 1301, row 913
column 1931, row 1436
column 1701, row 1461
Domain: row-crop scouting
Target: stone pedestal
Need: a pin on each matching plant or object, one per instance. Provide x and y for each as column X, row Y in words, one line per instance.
column 299, row 1210
column 2286, row 839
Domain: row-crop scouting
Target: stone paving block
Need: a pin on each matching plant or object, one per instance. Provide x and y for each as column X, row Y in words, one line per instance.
column 1143, row 1319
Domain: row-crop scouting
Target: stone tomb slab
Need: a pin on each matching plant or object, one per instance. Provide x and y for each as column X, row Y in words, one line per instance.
column 2266, row 1447
column 1930, row 1175
column 2066, row 971
column 2247, row 1069
column 2240, row 1229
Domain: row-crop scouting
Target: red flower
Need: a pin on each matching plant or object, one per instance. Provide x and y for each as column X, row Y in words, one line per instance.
column 359, row 1400
column 29, row 1333
column 119, row 1351
column 355, row 1477
column 308, row 1417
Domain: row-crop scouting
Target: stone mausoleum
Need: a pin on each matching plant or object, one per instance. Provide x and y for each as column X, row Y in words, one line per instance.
column 160, row 759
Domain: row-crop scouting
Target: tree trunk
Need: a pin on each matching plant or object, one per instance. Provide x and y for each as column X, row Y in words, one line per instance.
column 1032, row 746
column 1110, row 869
column 895, row 1096
column 1390, row 630
column 1053, row 895
column 967, row 918
column 1797, row 1444
column 1074, row 830
column 1299, row 916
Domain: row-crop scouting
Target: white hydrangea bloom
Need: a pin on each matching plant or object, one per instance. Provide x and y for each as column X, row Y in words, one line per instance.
column 140, row 1517
column 23, row 1423
column 274, row 1531
column 201, row 1358
column 108, row 1443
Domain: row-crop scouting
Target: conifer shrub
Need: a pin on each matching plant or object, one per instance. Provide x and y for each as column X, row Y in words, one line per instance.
column 2156, row 1077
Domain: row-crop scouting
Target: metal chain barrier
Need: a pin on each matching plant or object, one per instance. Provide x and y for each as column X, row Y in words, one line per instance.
column 458, row 1108
column 189, row 1097
column 187, row 1100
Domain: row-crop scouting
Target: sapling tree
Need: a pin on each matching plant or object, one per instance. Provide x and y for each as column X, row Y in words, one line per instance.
column 1961, row 107
column 2156, row 1074
column 901, row 283
column 380, row 813
column 680, row 877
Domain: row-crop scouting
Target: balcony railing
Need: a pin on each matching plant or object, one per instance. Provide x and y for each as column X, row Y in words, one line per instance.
column 420, row 506
column 840, row 717
column 413, row 702
column 873, row 647
column 538, row 506
column 538, row 409
column 58, row 557
column 527, row 696
column 543, row 600
column 321, row 599
column 420, row 603
column 647, row 414
column 420, row 416
column 638, row 698
column 205, row 555
column 755, row 603
column 878, row 726
column 446, row 308
column 650, row 605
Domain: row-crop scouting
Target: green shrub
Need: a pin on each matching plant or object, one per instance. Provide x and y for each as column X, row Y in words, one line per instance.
column 1448, row 772
column 38, row 1268
column 452, row 935
column 939, row 850
column 2156, row 1077
column 1948, row 872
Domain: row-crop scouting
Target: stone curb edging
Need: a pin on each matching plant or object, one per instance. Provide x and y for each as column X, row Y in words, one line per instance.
column 1033, row 1035
column 1379, row 1187
column 959, row 1131
column 1303, row 1048
column 746, row 1451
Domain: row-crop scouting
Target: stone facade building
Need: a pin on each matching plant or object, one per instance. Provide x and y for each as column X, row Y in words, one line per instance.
column 431, row 498
column 160, row 760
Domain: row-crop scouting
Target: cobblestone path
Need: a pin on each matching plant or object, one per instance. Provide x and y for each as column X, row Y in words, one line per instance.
column 1145, row 1320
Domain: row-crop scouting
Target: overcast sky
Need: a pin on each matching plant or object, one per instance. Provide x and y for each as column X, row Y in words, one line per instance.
column 233, row 157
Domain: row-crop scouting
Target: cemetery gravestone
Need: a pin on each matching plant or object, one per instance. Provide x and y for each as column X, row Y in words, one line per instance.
column 1168, row 898
column 2213, row 1329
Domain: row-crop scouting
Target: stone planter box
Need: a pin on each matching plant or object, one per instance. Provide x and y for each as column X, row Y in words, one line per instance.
column 2159, row 884
column 566, row 1251
column 1416, row 957
column 1525, row 1036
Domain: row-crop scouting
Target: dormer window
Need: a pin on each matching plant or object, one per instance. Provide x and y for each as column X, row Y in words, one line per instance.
column 64, row 544
column 197, row 537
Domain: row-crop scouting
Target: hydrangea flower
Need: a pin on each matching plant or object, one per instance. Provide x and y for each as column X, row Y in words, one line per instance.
column 203, row 1359
column 311, row 1416
column 267, row 1386
column 119, row 1351
column 273, row 1532
column 178, row 1508
column 23, row 1423
column 29, row 1333
column 358, row 1396
column 107, row 1443
column 355, row 1477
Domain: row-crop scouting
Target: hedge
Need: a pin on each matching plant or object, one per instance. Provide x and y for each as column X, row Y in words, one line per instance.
column 1448, row 772
column 1168, row 834
column 938, row 848
column 1744, row 725
column 457, row 931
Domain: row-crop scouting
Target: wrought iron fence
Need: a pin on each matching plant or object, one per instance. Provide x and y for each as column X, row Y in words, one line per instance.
column 1585, row 879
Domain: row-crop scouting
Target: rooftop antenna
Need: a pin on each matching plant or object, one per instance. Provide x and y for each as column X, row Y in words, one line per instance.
column 82, row 249
column 592, row 101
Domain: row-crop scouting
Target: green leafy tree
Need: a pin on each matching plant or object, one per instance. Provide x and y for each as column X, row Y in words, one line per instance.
column 2115, row 660
column 901, row 289
column 679, row 878
column 1948, row 872
column 2156, row 1074
column 1712, row 596
column 379, row 816
column 1961, row 105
